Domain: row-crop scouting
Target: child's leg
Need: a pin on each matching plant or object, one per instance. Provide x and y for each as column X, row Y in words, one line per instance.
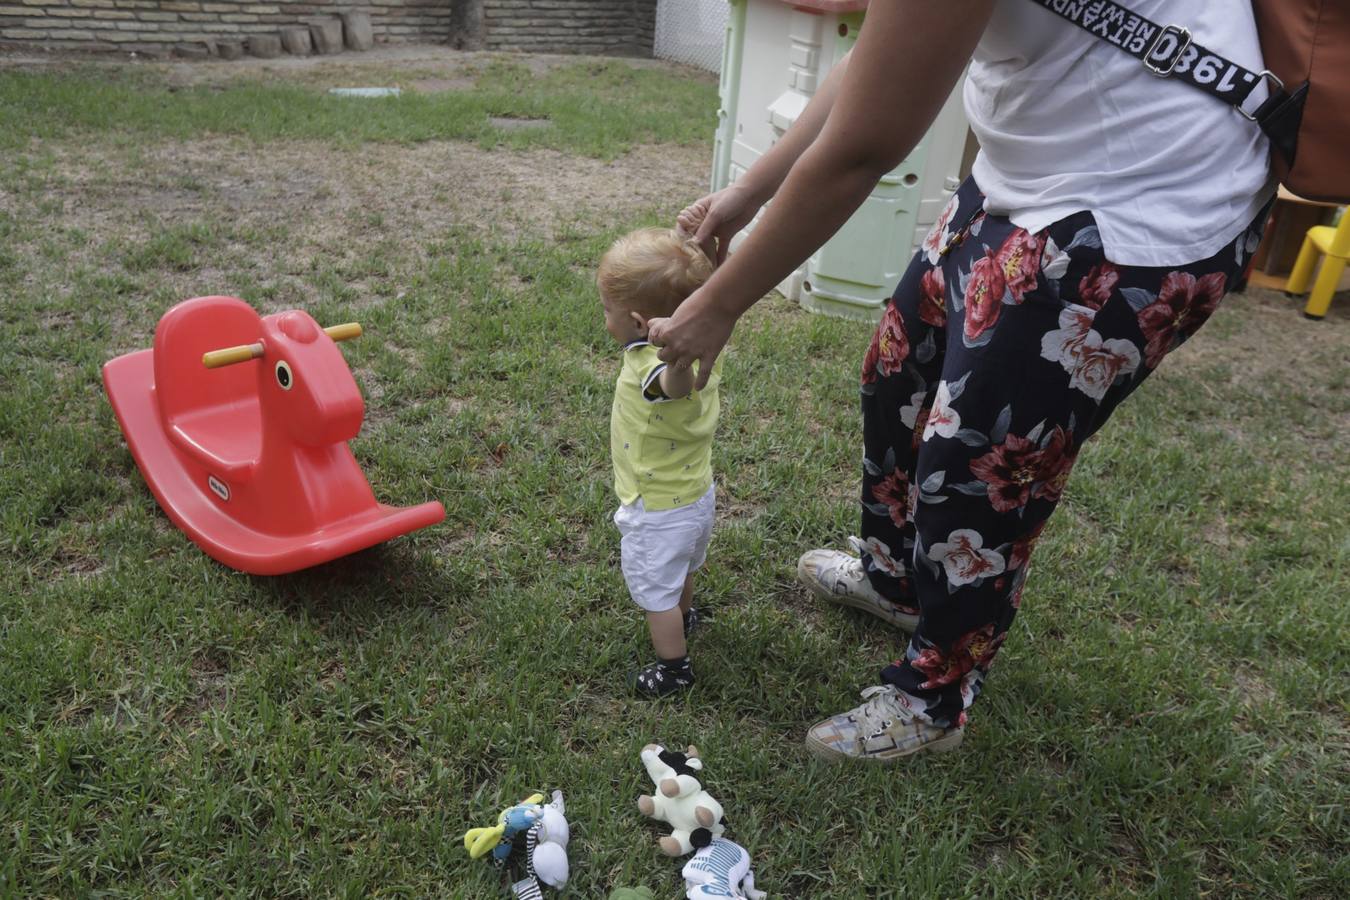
column 671, row 672
column 687, row 595
column 667, row 629
column 689, row 614
column 664, row 552
column 705, row 515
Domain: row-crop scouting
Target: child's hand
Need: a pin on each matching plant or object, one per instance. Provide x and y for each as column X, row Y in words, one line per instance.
column 692, row 216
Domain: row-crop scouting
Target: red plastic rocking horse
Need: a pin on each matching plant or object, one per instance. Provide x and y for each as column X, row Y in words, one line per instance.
column 245, row 447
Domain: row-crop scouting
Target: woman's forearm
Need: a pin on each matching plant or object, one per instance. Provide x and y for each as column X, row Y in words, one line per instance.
column 801, row 218
column 908, row 57
column 901, row 71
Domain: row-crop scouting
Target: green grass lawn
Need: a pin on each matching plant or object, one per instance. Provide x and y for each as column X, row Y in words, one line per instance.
column 1167, row 718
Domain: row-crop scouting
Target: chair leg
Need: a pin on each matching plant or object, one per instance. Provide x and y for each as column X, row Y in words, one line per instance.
column 1327, row 279
column 1303, row 268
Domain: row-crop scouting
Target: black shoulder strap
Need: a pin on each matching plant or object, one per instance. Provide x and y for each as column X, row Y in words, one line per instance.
column 1169, row 51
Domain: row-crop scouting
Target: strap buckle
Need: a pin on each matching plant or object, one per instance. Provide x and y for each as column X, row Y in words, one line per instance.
column 1276, row 89
column 1180, row 36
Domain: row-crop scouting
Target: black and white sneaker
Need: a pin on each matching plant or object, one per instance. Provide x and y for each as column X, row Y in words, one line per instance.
column 663, row 678
column 692, row 620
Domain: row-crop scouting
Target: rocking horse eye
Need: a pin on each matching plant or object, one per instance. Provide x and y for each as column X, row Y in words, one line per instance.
column 284, row 377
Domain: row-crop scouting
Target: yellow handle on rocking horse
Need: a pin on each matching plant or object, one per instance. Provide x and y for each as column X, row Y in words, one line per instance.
column 228, row 356
column 344, row 332
column 214, row 359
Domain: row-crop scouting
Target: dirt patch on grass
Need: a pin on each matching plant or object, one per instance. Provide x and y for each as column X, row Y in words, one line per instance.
column 279, row 213
column 515, row 123
column 210, row 676
column 1254, row 339
column 1253, row 690
column 440, row 85
column 392, row 191
column 403, row 65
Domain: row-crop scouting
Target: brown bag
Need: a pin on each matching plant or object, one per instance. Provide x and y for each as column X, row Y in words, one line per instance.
column 1306, row 45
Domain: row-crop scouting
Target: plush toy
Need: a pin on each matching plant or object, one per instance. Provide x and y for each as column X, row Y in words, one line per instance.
column 680, row 801
column 500, row 838
column 545, row 831
column 721, row 869
column 546, row 844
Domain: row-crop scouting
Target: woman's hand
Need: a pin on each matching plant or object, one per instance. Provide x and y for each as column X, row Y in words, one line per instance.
column 715, row 219
column 698, row 330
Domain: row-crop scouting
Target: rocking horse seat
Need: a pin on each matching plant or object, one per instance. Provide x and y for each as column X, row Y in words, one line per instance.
column 213, row 435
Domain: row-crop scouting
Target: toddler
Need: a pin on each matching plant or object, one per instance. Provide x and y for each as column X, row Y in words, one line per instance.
column 661, row 441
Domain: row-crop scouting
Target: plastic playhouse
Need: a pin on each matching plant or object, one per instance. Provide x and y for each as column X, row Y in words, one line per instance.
column 777, row 52
column 239, row 424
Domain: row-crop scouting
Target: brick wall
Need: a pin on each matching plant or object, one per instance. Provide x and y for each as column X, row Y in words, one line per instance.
column 616, row 27
column 619, row 27
column 159, row 25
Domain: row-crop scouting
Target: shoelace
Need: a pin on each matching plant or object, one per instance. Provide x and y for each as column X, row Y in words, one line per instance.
column 854, row 568
column 882, row 710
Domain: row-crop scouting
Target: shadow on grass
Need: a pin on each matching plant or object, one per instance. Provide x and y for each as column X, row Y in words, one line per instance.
column 365, row 586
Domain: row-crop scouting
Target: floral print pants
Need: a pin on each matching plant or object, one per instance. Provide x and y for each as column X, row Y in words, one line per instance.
column 1001, row 352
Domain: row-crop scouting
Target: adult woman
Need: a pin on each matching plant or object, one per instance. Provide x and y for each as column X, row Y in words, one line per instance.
column 1108, row 212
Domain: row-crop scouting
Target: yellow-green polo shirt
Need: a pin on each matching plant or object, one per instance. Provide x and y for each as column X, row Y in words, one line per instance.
column 662, row 446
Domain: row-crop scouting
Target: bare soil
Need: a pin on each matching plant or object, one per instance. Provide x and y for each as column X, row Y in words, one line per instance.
column 422, row 67
column 340, row 205
column 417, row 190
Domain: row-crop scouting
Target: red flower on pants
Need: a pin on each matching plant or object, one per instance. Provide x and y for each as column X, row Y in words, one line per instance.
column 1183, row 305
column 1020, row 554
column 890, row 346
column 1095, row 287
column 984, row 295
column 980, row 646
column 920, row 423
column 905, row 588
column 1019, row 260
column 932, row 298
column 1017, row 470
column 869, row 369
column 1009, row 469
column 1060, row 456
column 939, row 668
column 894, row 492
column 975, row 648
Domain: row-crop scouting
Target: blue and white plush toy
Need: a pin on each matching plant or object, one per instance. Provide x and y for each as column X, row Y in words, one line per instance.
column 720, row 870
column 545, row 833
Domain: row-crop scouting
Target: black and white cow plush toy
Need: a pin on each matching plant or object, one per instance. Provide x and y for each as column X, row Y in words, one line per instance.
column 680, row 800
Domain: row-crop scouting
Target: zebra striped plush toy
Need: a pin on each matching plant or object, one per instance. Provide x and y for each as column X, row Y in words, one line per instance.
column 721, row 869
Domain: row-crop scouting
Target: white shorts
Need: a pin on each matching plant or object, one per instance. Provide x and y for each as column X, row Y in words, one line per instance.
column 661, row 547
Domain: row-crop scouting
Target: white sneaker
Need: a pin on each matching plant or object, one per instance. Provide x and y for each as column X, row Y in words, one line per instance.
column 882, row 730
column 839, row 577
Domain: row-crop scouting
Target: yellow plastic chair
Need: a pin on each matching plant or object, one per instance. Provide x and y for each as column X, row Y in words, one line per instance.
column 1322, row 240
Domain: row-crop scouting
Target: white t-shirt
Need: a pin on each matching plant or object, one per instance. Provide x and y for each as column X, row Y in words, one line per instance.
column 1067, row 122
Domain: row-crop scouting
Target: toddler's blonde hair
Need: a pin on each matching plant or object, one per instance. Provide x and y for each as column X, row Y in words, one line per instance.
column 652, row 270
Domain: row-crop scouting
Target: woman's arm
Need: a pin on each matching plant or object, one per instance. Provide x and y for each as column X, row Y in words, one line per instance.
column 909, row 55
column 715, row 219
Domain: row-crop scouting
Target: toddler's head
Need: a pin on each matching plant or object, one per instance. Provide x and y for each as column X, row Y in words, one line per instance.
column 647, row 274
